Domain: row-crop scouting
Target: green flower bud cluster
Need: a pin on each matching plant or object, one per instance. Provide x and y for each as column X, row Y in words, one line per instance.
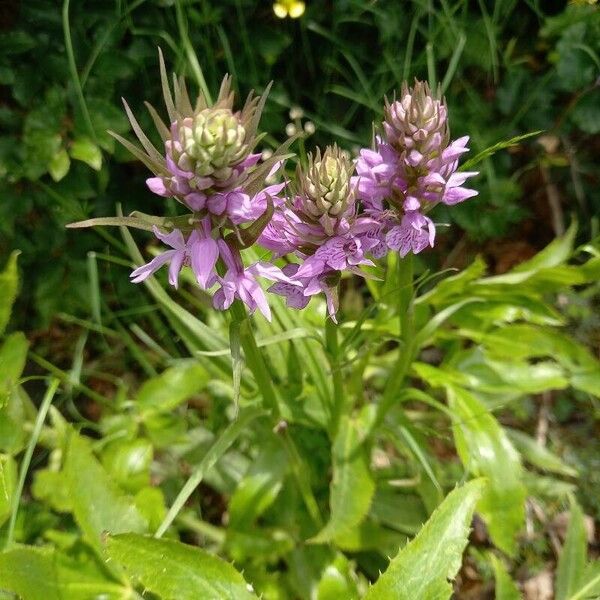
column 211, row 143
column 325, row 186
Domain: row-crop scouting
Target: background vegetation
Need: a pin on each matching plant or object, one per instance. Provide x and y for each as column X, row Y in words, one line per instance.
column 506, row 68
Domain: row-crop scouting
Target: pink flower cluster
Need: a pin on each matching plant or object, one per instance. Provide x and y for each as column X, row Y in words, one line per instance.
column 412, row 169
column 334, row 218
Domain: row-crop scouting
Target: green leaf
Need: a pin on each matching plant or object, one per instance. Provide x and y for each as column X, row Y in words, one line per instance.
column 259, row 487
column 586, row 114
column 495, row 148
column 554, row 254
column 85, row 150
column 506, row 588
column 128, row 462
column 423, row 568
column 59, row 165
column 9, row 281
column 171, row 388
column 13, row 400
column 485, row 450
column 36, row 573
column 590, row 583
column 571, row 563
column 8, row 483
column 213, row 454
column 352, row 486
column 401, row 511
column 175, row 570
column 98, row 504
column 337, row 581
column 539, row 455
column 13, row 355
column 30, row 573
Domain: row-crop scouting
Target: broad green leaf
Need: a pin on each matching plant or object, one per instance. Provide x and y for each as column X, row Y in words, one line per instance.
column 370, row 536
column 13, row 399
column 259, row 487
column 8, row 482
column 36, row 573
column 539, row 455
column 176, row 571
column 59, row 165
column 401, row 511
column 352, row 486
column 484, row 449
column 571, row 563
column 520, row 341
column 171, row 388
column 86, row 151
column 128, row 463
column 13, row 355
column 50, row 487
column 423, row 568
column 98, row 504
column 554, row 254
column 9, row 281
column 30, row 573
column 590, row 583
column 337, row 581
column 506, row 588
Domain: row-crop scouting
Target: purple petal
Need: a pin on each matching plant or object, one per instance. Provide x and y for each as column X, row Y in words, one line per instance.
column 195, row 200
column 204, row 254
column 252, row 294
column 148, row 269
column 457, row 194
column 311, row 267
column 175, row 267
column 269, row 271
column 293, row 295
column 217, row 203
column 157, row 186
column 173, row 239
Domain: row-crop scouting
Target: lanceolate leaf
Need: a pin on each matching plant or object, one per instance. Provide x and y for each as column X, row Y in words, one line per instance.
column 8, row 286
column 98, row 505
column 352, row 487
column 495, row 148
column 172, row 570
column 571, row 564
column 485, row 450
column 30, row 573
column 423, row 568
column 506, row 588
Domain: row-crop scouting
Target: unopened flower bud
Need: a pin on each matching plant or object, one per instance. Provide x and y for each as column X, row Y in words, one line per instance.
column 325, row 186
column 210, row 143
column 417, row 123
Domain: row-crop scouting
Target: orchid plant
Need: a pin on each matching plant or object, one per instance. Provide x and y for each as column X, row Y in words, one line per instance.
column 256, row 236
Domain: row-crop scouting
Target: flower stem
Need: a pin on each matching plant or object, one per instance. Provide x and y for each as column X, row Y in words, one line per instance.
column 33, row 440
column 406, row 349
column 333, row 354
column 254, row 359
column 256, row 364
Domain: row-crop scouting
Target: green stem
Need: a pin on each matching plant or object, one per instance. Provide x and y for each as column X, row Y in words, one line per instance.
column 37, row 429
column 254, row 359
column 333, row 354
column 407, row 326
column 255, row 362
column 73, row 69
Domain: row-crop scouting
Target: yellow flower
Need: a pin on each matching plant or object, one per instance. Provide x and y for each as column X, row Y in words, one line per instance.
column 289, row 8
